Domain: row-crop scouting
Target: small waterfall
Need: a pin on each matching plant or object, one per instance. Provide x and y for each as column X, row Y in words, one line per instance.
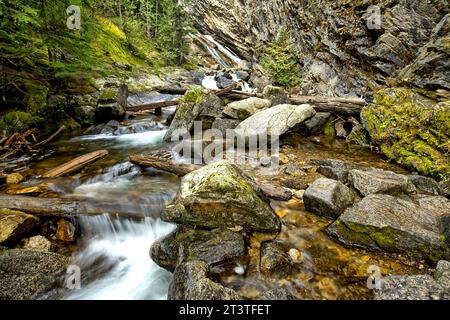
column 231, row 55
column 210, row 83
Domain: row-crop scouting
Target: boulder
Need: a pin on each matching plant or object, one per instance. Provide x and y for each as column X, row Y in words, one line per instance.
column 395, row 225
column 242, row 75
column 316, row 124
column 85, row 114
column 15, row 225
column 276, row 121
column 336, row 169
column 112, row 105
column 220, row 195
column 37, row 243
column 276, row 95
column 328, row 198
column 225, row 124
column 244, row 109
column 25, row 274
column 186, row 244
column 417, row 287
column 191, row 282
column 425, row 184
column 375, row 181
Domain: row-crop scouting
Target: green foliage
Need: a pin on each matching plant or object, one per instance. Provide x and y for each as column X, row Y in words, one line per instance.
column 17, row 121
column 280, row 61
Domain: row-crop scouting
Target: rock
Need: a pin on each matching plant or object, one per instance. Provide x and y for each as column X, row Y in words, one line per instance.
column 395, row 225
column 359, row 136
column 425, row 184
column 110, row 106
column 219, row 195
column 377, row 181
column 65, row 231
column 293, row 183
column 243, row 75
column 294, row 170
column 276, row 95
column 328, row 198
column 225, row 124
column 214, row 247
column 275, row 192
column 15, row 225
column 37, row 243
column 277, row 294
column 14, row 178
column 317, row 124
column 275, row 259
column 223, row 82
column 336, row 169
column 341, row 132
column 259, row 81
column 418, row 287
column 244, row 109
column 85, row 114
column 25, row 274
column 276, row 121
column 190, row 282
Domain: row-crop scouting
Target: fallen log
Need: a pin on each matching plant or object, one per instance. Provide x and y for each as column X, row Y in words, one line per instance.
column 76, row 164
column 171, row 90
column 336, row 107
column 57, row 207
column 164, row 164
column 155, row 105
column 327, row 100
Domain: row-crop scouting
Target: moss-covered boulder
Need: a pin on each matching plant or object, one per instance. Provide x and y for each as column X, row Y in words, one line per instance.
column 411, row 129
column 396, row 225
column 220, row 195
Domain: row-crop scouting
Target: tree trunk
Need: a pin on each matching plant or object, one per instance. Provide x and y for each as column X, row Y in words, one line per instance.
column 160, row 163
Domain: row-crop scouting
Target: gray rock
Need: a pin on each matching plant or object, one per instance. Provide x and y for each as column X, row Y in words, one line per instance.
column 377, row 181
column 275, row 192
column 276, row 95
column 276, row 121
column 190, row 282
column 223, row 82
column 85, row 114
column 336, row 169
column 328, row 198
column 391, row 224
column 418, row 287
column 244, row 109
column 220, row 195
column 425, row 184
column 25, row 274
column 225, row 124
column 186, row 244
column 15, row 225
column 112, row 106
column 275, row 259
column 243, row 75
column 317, row 124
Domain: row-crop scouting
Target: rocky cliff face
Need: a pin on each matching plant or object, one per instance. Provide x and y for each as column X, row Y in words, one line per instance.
column 346, row 47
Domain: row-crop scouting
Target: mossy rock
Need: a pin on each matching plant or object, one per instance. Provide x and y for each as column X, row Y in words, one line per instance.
column 18, row 121
column 411, row 129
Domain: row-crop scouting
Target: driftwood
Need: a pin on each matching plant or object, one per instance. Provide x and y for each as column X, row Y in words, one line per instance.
column 56, row 207
column 76, row 164
column 348, row 106
column 164, row 164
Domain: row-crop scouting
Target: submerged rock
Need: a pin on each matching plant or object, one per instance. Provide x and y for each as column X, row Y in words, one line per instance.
column 191, row 282
column 186, row 244
column 15, row 225
column 25, row 274
column 418, row 287
column 375, row 181
column 14, row 178
column 276, row 121
column 275, row 259
column 390, row 224
column 244, row 109
column 219, row 195
column 329, row 198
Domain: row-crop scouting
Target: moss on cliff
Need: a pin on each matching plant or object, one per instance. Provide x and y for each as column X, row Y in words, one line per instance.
column 411, row 129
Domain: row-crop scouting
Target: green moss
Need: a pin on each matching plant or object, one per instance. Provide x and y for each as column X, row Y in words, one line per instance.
column 330, row 130
column 18, row 121
column 411, row 129
column 194, row 95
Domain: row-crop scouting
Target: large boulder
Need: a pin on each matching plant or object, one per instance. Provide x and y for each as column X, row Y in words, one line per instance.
column 396, row 225
column 25, row 274
column 317, row 124
column 15, row 225
column 225, row 124
column 377, row 181
column 191, row 282
column 186, row 244
column 276, row 95
column 220, row 195
column 244, row 109
column 112, row 104
column 276, row 120
column 418, row 287
column 329, row 198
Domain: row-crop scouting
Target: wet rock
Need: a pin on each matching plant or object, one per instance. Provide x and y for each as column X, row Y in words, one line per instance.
column 244, row 109
column 377, row 181
column 336, row 169
column 15, row 225
column 14, row 178
column 223, row 82
column 275, row 192
column 243, row 75
column 425, row 184
column 214, row 247
column 275, row 259
column 317, row 124
column 276, row 95
column 25, row 274
column 65, row 231
column 294, row 183
column 112, row 105
column 294, row 170
column 278, row 294
column 220, row 195
column 190, row 282
column 328, row 198
column 37, row 243
column 225, row 124
column 276, row 121
column 418, row 287
column 396, row 225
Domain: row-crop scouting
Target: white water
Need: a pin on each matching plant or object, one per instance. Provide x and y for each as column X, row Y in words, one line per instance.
column 148, row 138
column 231, row 55
column 209, row 83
